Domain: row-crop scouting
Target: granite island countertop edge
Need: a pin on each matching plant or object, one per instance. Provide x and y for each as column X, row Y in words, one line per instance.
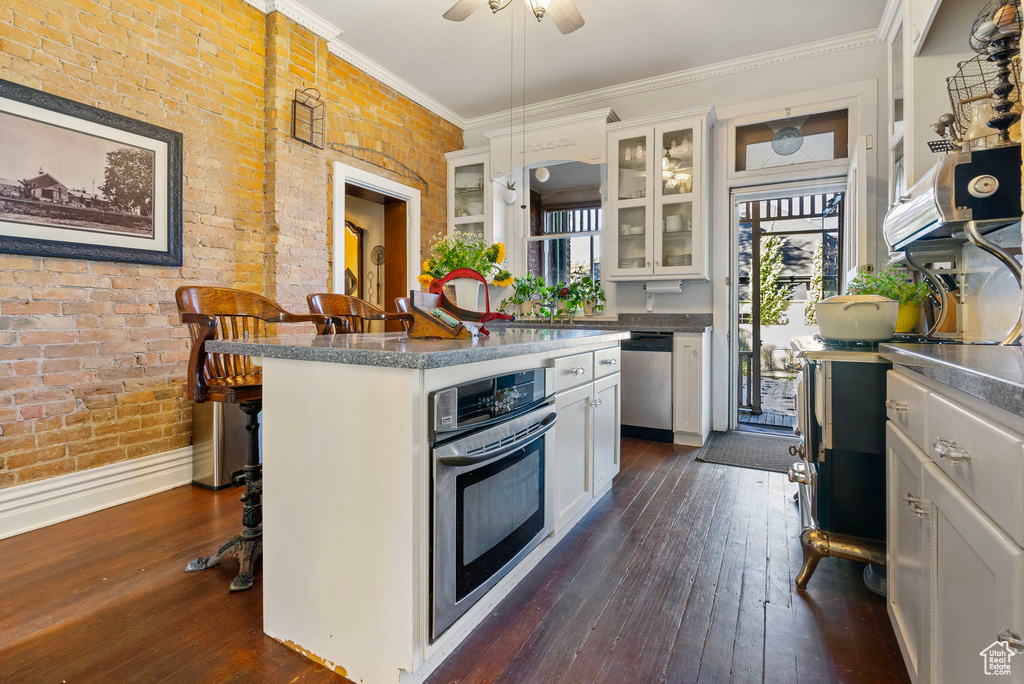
column 304, row 349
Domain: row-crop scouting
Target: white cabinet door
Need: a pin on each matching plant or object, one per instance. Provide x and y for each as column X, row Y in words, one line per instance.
column 857, row 242
column 907, row 558
column 606, row 430
column 690, row 392
column 573, row 433
column 629, row 244
column 976, row 585
column 470, row 193
column 678, row 207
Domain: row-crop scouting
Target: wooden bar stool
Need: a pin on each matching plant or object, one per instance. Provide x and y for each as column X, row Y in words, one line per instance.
column 222, row 313
column 347, row 314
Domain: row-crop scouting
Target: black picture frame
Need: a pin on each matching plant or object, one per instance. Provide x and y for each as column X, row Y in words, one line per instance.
column 98, row 237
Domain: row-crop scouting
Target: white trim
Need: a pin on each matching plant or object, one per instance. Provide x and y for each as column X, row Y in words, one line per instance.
column 37, row 504
column 343, row 174
column 707, row 112
column 332, row 34
column 603, row 115
column 392, row 80
column 892, row 16
column 301, row 15
column 764, row 59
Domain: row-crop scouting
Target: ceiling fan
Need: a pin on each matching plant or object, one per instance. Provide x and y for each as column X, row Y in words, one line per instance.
column 563, row 12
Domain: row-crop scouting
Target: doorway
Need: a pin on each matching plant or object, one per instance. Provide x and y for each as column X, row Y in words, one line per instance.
column 379, row 220
column 789, row 254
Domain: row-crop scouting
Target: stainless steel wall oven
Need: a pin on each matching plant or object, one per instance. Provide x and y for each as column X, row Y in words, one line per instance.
column 491, row 497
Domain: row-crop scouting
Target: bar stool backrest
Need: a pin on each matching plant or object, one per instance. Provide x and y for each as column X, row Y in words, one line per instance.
column 347, row 314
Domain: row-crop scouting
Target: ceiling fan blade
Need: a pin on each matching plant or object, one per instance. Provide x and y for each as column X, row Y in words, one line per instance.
column 462, row 9
column 565, row 15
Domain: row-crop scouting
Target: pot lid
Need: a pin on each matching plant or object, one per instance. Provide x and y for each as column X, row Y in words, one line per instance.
column 846, row 299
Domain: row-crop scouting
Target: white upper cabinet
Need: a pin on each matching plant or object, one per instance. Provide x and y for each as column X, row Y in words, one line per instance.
column 470, row 193
column 658, row 197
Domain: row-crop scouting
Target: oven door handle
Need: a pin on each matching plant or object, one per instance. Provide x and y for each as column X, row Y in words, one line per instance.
column 500, row 419
column 544, row 424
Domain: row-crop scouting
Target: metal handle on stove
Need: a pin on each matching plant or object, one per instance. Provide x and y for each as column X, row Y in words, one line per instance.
column 949, row 450
column 798, row 473
column 914, row 503
column 797, row 450
column 895, row 406
column 505, row 446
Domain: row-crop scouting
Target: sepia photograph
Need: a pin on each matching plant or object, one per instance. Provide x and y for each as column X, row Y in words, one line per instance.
column 53, row 176
column 80, row 182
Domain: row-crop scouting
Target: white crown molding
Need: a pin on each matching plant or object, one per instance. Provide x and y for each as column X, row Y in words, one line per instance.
column 603, row 115
column 891, row 16
column 707, row 112
column 765, row 59
column 302, row 16
column 390, row 79
column 468, row 152
column 38, row 504
column 332, row 34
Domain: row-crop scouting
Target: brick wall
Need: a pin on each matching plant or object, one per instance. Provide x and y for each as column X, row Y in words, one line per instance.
column 91, row 354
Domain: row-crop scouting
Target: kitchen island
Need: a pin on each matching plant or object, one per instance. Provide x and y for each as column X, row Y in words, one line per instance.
column 348, row 470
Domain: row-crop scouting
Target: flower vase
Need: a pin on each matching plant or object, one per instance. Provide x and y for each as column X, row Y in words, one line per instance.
column 467, row 293
column 588, row 307
column 906, row 317
column 496, row 294
column 527, row 307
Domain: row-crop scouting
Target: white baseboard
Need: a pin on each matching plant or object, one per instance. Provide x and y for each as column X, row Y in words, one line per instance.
column 38, row 504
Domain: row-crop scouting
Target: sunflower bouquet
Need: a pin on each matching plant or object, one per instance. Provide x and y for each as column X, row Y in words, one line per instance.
column 464, row 250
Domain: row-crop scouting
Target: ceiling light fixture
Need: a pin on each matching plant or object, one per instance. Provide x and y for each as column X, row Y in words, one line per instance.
column 542, row 174
column 562, row 12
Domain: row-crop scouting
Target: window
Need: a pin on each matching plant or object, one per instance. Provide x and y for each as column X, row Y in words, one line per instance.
column 796, row 140
column 562, row 241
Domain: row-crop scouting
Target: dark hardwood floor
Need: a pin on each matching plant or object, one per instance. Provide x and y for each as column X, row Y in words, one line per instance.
column 683, row 574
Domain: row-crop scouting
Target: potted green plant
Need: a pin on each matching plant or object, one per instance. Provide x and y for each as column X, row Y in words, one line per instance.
column 895, row 285
column 527, row 290
column 464, row 250
column 590, row 294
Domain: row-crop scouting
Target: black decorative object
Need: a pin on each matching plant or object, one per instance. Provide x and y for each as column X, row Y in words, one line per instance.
column 377, row 257
column 996, row 35
column 309, row 116
column 83, row 183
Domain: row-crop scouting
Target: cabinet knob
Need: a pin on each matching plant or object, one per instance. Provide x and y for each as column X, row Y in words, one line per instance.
column 797, row 450
column 895, row 406
column 694, row 352
column 914, row 503
column 595, row 403
column 657, row 263
column 609, row 362
column 648, row 264
column 1013, row 641
column 577, row 371
column 948, row 450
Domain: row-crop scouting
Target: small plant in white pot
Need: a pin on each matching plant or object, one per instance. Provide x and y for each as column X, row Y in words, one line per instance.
column 590, row 293
column 527, row 291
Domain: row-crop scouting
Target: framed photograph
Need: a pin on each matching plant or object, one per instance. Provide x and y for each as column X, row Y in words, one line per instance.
column 83, row 183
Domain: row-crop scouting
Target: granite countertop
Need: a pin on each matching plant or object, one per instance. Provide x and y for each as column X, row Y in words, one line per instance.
column 396, row 350
column 644, row 322
column 991, row 373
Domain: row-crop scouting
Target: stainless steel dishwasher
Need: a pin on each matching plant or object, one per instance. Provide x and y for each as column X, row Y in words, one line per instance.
column 647, row 386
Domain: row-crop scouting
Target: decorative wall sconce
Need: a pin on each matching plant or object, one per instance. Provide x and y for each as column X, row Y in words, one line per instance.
column 309, row 116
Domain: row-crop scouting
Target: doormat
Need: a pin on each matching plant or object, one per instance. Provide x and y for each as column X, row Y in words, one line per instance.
column 746, row 450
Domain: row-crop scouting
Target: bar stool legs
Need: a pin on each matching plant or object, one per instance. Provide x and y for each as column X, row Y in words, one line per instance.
column 247, row 547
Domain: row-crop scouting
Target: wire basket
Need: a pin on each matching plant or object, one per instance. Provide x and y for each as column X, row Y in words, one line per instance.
column 974, row 80
column 999, row 20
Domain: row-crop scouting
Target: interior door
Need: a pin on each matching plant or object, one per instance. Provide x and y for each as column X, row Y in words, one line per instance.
column 856, row 246
column 976, row 584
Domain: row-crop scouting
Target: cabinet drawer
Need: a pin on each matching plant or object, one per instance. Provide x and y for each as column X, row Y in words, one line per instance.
column 573, row 371
column 606, row 362
column 906, row 404
column 984, row 459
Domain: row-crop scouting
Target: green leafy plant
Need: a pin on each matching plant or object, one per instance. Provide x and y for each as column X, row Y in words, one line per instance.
column 889, row 283
column 774, row 295
column 526, row 288
column 464, row 250
column 816, row 290
column 587, row 289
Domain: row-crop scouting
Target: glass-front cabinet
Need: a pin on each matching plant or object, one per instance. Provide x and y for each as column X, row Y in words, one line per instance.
column 470, row 192
column 657, row 197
